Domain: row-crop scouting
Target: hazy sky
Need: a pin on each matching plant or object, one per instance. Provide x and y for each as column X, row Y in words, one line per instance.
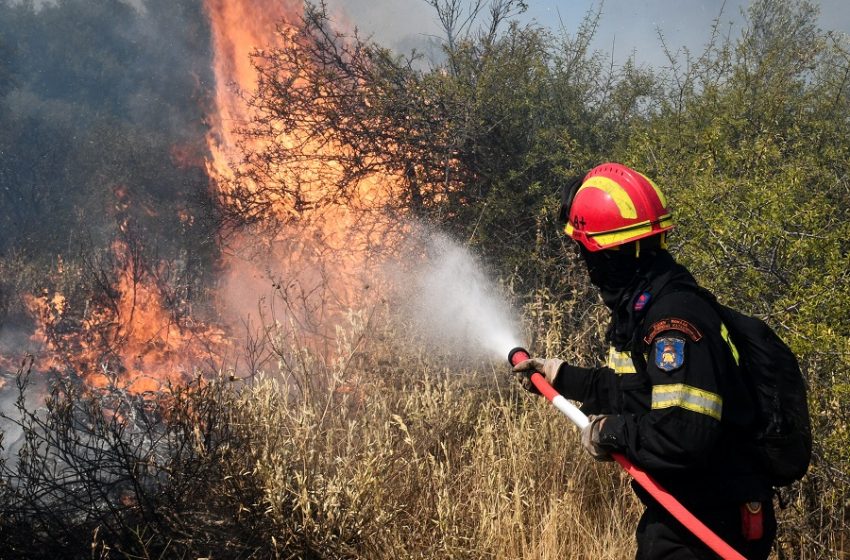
column 626, row 26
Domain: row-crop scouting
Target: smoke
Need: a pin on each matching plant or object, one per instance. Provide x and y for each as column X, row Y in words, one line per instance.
column 294, row 284
column 15, row 347
column 10, row 415
column 403, row 25
column 452, row 303
column 438, row 287
column 95, row 95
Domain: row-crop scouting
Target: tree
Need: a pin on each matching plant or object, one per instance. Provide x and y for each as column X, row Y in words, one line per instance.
column 478, row 144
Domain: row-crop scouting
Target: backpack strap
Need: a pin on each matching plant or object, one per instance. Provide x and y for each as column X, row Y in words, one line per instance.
column 720, row 309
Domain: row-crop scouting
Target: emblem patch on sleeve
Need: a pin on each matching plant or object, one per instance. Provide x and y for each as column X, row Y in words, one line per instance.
column 669, row 353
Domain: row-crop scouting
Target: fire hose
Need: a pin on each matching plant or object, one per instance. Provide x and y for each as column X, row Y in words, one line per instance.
column 662, row 496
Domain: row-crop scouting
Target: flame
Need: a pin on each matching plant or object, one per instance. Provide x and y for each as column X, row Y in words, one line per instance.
column 128, row 339
column 238, row 27
column 336, row 237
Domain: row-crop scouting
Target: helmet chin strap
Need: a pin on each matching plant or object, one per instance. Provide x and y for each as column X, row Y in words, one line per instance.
column 660, row 244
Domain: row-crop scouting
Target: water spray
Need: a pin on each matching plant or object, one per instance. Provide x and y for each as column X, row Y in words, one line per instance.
column 662, row 496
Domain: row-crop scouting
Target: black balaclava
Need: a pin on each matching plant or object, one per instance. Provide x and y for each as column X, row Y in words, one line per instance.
column 613, row 271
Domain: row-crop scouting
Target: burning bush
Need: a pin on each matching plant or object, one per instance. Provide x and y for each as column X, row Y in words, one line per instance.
column 134, row 330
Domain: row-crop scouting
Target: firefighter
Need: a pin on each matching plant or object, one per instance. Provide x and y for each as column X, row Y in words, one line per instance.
column 670, row 397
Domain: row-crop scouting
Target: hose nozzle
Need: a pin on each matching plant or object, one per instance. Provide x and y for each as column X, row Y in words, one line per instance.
column 517, row 355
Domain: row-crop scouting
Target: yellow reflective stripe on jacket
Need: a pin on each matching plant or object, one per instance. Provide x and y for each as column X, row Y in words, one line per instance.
column 620, row 362
column 687, row 397
column 724, row 332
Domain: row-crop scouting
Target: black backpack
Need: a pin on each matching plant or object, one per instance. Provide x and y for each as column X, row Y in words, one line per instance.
column 783, row 433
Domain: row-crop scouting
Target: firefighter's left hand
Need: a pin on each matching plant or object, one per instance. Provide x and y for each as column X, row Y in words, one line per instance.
column 590, row 438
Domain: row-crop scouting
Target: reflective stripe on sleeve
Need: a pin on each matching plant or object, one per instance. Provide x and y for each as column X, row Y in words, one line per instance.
column 687, row 397
column 620, row 362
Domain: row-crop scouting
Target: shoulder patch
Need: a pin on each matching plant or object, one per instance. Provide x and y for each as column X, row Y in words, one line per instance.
column 673, row 324
column 669, row 353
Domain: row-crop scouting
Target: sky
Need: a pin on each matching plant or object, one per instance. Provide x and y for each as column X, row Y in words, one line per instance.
column 626, row 27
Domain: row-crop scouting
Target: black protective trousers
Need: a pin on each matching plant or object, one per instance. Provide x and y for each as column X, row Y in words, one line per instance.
column 661, row 536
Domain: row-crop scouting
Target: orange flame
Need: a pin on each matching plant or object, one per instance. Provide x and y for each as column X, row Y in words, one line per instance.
column 132, row 338
column 339, row 234
column 130, row 341
column 238, row 27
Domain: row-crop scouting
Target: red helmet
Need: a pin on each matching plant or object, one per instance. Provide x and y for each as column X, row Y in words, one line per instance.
column 616, row 205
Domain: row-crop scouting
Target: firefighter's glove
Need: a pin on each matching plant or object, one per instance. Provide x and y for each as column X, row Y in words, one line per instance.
column 590, row 438
column 548, row 368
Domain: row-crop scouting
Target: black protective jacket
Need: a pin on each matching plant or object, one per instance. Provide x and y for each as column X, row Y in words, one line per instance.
column 680, row 407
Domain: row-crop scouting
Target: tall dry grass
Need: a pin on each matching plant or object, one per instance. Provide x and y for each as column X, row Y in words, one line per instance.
column 421, row 460
column 379, row 450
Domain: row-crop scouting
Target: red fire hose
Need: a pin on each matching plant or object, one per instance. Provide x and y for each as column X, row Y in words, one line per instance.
column 662, row 496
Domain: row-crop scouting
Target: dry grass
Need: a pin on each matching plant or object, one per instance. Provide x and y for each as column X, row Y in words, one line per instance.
column 378, row 453
column 431, row 467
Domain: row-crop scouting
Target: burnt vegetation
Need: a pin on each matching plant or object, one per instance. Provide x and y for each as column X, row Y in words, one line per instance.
column 117, row 474
column 373, row 450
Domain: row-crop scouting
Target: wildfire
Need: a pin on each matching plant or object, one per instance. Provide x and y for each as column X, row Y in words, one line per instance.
column 126, row 338
column 326, row 253
column 130, row 335
column 238, row 27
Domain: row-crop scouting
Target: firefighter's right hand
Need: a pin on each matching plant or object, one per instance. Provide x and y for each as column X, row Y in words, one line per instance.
column 547, row 367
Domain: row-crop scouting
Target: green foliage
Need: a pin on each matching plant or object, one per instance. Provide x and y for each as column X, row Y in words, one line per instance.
column 749, row 140
column 481, row 143
column 751, row 144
